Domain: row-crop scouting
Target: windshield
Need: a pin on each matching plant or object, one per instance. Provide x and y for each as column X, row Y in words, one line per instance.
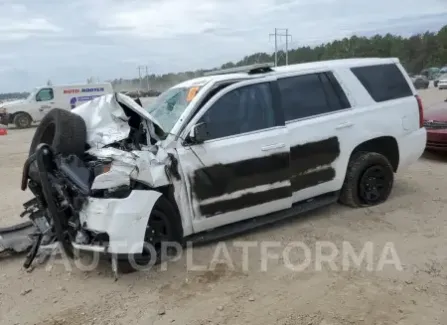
column 33, row 93
column 170, row 105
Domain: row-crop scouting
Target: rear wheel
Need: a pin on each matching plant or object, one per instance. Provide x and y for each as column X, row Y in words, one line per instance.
column 22, row 120
column 369, row 180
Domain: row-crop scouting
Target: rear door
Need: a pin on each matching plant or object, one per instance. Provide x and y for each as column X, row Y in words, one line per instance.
column 320, row 136
column 242, row 171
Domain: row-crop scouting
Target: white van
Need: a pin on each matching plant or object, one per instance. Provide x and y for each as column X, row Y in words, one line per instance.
column 42, row 99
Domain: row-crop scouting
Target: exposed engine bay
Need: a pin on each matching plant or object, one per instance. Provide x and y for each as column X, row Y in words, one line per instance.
column 81, row 162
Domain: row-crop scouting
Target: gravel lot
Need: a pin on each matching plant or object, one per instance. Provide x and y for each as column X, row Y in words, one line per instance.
column 414, row 220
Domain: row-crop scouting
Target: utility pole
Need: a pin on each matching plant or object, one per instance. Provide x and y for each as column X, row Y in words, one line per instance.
column 276, row 45
column 147, row 78
column 140, row 68
column 139, row 76
column 287, row 46
column 280, row 32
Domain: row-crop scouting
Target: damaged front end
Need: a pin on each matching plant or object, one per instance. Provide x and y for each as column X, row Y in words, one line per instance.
column 101, row 200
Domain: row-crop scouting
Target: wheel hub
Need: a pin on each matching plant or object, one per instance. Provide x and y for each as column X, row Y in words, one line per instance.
column 23, row 121
column 373, row 184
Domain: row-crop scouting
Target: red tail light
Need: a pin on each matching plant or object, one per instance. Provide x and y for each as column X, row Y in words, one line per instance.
column 421, row 111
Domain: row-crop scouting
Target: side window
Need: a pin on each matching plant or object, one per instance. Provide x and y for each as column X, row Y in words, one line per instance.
column 383, row 82
column 45, row 94
column 310, row 95
column 242, row 110
column 338, row 91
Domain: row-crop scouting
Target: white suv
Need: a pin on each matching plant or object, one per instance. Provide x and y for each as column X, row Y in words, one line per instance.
column 225, row 152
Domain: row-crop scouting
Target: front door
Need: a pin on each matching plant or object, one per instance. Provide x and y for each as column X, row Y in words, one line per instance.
column 45, row 101
column 242, row 170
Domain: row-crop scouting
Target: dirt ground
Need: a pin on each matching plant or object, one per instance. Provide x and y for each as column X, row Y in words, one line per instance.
column 414, row 221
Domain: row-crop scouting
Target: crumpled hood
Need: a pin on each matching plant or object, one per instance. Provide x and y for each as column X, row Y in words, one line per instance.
column 106, row 120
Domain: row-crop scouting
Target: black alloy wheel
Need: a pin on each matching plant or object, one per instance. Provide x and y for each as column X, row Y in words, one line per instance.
column 374, row 185
column 369, row 180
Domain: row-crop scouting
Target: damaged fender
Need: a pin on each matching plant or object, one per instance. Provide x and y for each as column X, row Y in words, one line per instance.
column 124, row 220
column 142, row 166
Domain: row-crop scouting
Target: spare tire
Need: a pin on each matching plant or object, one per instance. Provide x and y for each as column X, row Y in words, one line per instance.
column 64, row 131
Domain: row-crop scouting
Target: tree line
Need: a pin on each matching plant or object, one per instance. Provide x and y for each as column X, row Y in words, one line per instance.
column 416, row 53
column 12, row 96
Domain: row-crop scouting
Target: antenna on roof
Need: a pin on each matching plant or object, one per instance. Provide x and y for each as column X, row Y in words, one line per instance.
column 250, row 69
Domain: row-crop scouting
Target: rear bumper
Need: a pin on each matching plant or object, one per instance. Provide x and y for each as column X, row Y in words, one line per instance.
column 411, row 147
column 437, row 140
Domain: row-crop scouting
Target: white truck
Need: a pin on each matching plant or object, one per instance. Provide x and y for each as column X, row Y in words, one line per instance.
column 221, row 154
column 43, row 99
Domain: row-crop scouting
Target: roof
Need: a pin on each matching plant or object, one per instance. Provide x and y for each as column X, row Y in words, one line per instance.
column 201, row 81
column 80, row 84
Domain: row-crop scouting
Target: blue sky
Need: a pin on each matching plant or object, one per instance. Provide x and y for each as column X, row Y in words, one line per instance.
column 70, row 40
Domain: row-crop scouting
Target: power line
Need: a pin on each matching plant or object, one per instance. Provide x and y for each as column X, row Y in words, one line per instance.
column 281, row 32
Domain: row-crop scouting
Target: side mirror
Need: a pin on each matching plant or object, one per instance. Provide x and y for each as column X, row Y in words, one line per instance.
column 199, row 133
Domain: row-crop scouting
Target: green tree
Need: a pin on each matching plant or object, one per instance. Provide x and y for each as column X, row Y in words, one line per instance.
column 416, row 53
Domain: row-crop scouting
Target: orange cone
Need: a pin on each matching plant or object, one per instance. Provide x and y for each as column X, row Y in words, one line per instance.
column 3, row 130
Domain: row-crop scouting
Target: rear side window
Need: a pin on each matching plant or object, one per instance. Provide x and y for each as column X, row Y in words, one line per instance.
column 312, row 94
column 383, row 82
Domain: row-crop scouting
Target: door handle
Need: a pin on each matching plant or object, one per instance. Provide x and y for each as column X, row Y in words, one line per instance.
column 344, row 125
column 273, row 146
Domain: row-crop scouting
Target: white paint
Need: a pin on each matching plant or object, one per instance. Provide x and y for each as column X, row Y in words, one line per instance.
column 237, row 194
column 227, row 150
column 124, row 220
column 105, row 121
column 38, row 109
column 141, row 166
column 365, row 120
column 117, row 176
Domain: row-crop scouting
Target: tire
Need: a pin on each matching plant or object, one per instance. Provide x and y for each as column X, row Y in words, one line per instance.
column 22, row 120
column 64, row 131
column 361, row 165
column 162, row 210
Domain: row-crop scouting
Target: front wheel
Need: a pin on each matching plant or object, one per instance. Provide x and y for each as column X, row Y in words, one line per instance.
column 164, row 228
column 369, row 180
column 22, row 121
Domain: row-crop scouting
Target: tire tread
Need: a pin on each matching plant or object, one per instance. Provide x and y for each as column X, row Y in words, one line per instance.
column 357, row 164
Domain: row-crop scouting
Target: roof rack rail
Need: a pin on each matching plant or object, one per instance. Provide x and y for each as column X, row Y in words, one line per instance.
column 250, row 69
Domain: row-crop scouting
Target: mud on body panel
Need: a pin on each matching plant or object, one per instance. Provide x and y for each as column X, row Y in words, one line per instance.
column 310, row 163
column 221, row 181
column 307, row 165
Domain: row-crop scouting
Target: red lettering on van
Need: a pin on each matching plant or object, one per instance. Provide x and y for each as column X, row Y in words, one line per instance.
column 71, row 91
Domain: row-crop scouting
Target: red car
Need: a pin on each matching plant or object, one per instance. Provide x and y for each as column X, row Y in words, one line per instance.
column 435, row 122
